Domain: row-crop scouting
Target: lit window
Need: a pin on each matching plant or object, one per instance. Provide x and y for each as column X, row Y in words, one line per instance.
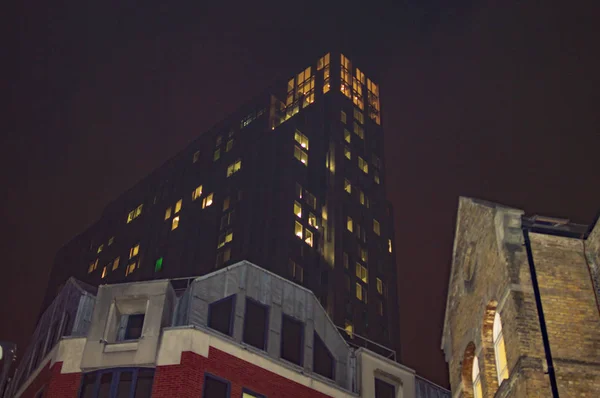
column 362, row 273
column 93, row 266
column 175, row 223
column 376, row 227
column 373, row 100
column 298, row 229
column 134, row 251
column 477, row 392
column 299, row 190
column 100, row 248
column 196, row 193
column 324, row 63
column 343, row 117
column 301, row 139
column 178, row 206
column 389, row 245
column 347, row 136
column 115, row 263
column 130, row 268
column 347, row 153
column 158, row 264
column 225, row 238
column 379, row 286
column 312, row 220
column 361, row 293
column 359, row 131
column 226, row 203
column 311, row 200
column 168, row 213
column 349, row 224
column 360, row 76
column 196, row 156
column 300, row 155
column 346, row 76
column 229, row 145
column 362, row 165
column 298, row 209
column 349, row 328
column 111, row 240
column 227, row 219
column 135, row 213
column 358, row 115
column 376, row 177
column 234, row 168
column 361, row 198
column 219, row 140
column 217, row 154
column 364, row 255
column 308, row 237
column 104, row 272
column 296, row 272
column 346, row 261
column 207, row 201
column 347, row 186
column 499, row 349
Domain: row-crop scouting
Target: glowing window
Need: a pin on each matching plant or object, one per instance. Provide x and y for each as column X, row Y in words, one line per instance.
column 93, row 266
column 178, row 206
column 130, row 268
column 360, row 76
column 196, row 156
column 373, row 101
column 346, row 76
column 111, row 240
column 477, row 392
column 217, row 154
column 389, row 245
column 323, row 61
column 104, row 272
column 175, row 223
column 312, row 220
column 363, row 165
column 379, row 286
column 134, row 251
column 196, row 193
column 301, row 139
column 100, row 248
column 115, row 263
column 349, row 224
column 361, row 197
column 300, row 155
column 296, row 272
column 343, row 117
column 135, row 213
column 347, row 153
column 364, row 255
column 229, row 145
column 349, row 328
column 359, row 130
column 308, row 237
column 298, row 229
column 168, row 213
column 376, row 227
column 158, row 264
column 298, row 209
column 347, row 136
column 225, row 238
column 362, row 273
column 376, row 177
column 361, row 293
column 299, row 190
column 499, row 350
column 207, row 201
column 234, row 168
column 358, row 115
column 347, row 186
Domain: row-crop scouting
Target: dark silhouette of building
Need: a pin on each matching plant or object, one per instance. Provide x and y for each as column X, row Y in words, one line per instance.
column 293, row 181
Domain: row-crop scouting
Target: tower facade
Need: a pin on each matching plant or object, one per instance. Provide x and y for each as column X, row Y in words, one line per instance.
column 294, row 180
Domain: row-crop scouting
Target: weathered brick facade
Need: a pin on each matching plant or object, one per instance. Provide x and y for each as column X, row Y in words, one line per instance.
column 490, row 272
column 55, row 383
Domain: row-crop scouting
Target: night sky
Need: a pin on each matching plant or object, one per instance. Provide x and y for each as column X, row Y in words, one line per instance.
column 492, row 99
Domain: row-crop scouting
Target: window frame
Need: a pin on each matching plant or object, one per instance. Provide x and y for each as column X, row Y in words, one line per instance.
column 254, row 394
column 116, row 377
column 233, row 298
column 267, row 315
column 302, row 337
column 208, row 375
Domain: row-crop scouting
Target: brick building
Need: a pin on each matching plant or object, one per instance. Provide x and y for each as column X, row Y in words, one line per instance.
column 522, row 316
column 240, row 331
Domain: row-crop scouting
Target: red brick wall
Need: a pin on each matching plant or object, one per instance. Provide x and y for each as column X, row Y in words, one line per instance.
column 185, row 379
column 57, row 385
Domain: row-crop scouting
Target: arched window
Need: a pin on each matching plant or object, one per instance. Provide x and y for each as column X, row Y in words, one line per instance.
column 499, row 350
column 477, row 393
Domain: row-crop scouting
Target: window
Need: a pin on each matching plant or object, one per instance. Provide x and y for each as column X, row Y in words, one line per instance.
column 215, row 387
column 361, row 292
column 362, row 165
column 376, row 161
column 227, row 219
column 389, row 245
column 347, row 186
column 384, row 390
column 360, row 76
column 196, row 193
column 358, row 115
column 376, row 177
column 158, row 265
column 346, row 261
column 300, row 155
column 499, row 350
column 299, row 190
column 130, row 383
column 292, row 340
column 347, row 136
column 296, row 272
column 343, row 117
column 234, row 168
column 88, row 385
column 135, row 213
column 111, row 240
column 349, row 224
column 379, row 286
column 250, row 394
column 93, row 266
column 308, row 237
column 311, row 200
column 143, row 386
column 130, row 268
column 349, row 328
column 196, row 156
column 477, row 392
column 359, row 131
column 301, row 139
column 223, row 256
column 104, row 271
column 226, row 203
column 175, row 223
column 323, row 362
column 168, row 213
column 347, row 153
column 255, row 324
column 130, row 327
column 178, row 206
column 362, row 273
column 225, row 238
column 380, row 307
column 220, row 315
column 312, row 221
column 207, row 201
column 229, row 145
column 297, row 209
column 373, row 100
column 376, row 227
column 100, row 248
column 135, row 249
column 217, row 154
column 115, row 263
column 364, row 254
column 298, row 229
column 323, row 62
column 346, row 76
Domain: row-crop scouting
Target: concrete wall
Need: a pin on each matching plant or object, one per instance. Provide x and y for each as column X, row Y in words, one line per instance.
column 374, row 366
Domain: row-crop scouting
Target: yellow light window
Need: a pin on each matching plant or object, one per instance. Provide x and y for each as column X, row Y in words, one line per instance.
column 389, row 245
column 196, row 193
column 343, row 117
column 100, row 248
column 376, row 227
column 93, row 266
column 359, row 116
column 376, row 177
column 363, row 165
column 135, row 213
column 349, row 328
column 299, row 190
column 175, row 223
column 347, row 153
column 499, row 350
column 347, row 136
column 301, row 139
column 134, row 251
column 379, row 286
column 362, row 273
column 361, row 197
column 168, row 213
column 115, row 263
column 104, row 272
column 234, row 168
column 225, row 238
column 217, row 154
column 298, row 209
column 364, row 255
column 300, row 155
column 359, row 291
column 130, row 268
column 298, row 229
column 360, row 76
column 308, row 237
column 347, row 186
column 475, row 377
column 349, row 224
column 359, row 130
column 226, row 203
column 178, row 206
column 207, row 201
column 196, row 156
column 111, row 240
column 229, row 145
column 312, row 220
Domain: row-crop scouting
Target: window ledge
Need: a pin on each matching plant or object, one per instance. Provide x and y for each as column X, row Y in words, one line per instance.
column 121, row 346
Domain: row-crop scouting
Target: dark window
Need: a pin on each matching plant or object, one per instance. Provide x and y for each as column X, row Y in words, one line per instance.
column 292, row 340
column 118, row 383
column 105, row 382
column 88, row 385
column 220, row 315
column 133, row 326
column 384, row 390
column 255, row 324
column 143, row 388
column 125, row 383
column 215, row 387
column 323, row 363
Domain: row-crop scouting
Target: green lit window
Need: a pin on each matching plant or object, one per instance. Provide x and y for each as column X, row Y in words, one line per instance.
column 225, row 238
column 300, row 155
column 158, row 264
column 301, row 139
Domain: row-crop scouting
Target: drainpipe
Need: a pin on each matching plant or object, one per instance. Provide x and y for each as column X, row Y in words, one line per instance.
column 540, row 311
